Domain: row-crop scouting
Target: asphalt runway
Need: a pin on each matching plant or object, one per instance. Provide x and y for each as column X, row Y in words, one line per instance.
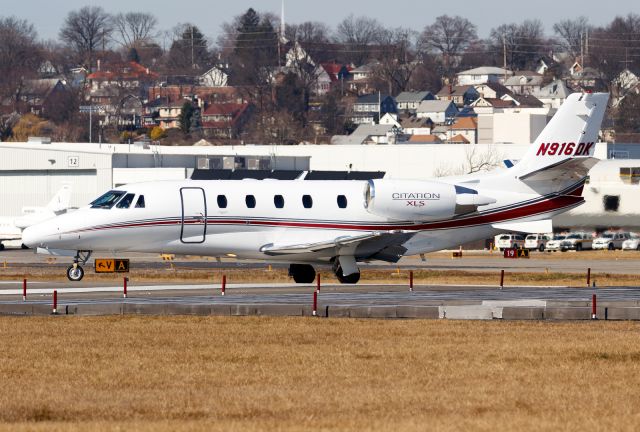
column 370, row 295
column 567, row 262
column 362, row 300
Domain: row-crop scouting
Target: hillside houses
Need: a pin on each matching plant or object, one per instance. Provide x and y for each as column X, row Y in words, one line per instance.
column 483, row 74
column 466, row 114
column 482, row 104
column 460, row 95
column 367, row 109
column 524, row 82
column 439, row 111
column 409, row 101
column 225, row 120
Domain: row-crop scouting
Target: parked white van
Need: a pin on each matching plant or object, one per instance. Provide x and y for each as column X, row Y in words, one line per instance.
column 536, row 241
column 509, row 241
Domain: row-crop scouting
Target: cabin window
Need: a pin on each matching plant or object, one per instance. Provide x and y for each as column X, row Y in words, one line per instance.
column 140, row 202
column 307, row 201
column 222, row 201
column 107, row 200
column 250, row 200
column 125, row 202
column 611, row 202
column 278, row 201
column 342, row 201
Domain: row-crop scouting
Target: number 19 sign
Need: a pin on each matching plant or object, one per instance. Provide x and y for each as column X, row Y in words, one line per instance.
column 516, row 253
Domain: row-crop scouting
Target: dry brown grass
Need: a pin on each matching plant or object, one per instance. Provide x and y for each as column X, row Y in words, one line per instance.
column 168, row 373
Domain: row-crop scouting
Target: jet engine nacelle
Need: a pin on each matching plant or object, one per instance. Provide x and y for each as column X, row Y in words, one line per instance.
column 416, row 200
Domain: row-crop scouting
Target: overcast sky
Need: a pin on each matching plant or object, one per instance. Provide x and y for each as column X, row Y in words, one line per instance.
column 208, row 15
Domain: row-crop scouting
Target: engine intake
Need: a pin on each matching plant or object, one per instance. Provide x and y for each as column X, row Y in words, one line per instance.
column 416, row 200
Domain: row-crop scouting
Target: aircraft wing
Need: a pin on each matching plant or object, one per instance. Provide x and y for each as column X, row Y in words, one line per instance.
column 287, row 249
column 386, row 246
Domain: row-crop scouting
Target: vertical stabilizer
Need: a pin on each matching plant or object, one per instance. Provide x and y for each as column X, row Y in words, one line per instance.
column 60, row 201
column 572, row 133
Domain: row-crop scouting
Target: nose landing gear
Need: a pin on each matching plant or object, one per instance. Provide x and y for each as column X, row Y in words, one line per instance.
column 348, row 263
column 75, row 272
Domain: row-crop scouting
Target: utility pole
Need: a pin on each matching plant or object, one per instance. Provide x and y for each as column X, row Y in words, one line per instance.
column 586, row 43
column 504, row 56
column 280, row 36
column 193, row 66
column 582, row 49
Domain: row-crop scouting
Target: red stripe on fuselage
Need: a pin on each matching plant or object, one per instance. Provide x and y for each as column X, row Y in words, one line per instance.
column 555, row 203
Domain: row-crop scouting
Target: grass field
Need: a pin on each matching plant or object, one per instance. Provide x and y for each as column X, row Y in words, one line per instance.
column 209, row 373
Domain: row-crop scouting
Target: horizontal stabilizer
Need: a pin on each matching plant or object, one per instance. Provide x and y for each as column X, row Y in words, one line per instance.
column 559, row 176
column 288, row 249
column 541, row 226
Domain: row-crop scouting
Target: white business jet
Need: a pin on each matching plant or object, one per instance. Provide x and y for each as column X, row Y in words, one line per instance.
column 11, row 227
column 303, row 222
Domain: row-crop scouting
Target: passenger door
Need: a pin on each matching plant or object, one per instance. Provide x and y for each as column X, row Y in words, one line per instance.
column 194, row 215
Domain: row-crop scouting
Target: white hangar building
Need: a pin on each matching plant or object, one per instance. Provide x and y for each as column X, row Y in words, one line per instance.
column 31, row 173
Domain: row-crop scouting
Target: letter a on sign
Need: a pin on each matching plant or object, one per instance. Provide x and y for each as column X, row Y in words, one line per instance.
column 122, row 265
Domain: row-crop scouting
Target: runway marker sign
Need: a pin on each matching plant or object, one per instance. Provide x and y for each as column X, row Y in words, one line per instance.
column 516, row 253
column 112, row 265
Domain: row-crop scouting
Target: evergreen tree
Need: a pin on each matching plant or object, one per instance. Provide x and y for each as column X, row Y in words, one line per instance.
column 185, row 118
column 256, row 49
column 196, row 122
column 189, row 51
column 132, row 55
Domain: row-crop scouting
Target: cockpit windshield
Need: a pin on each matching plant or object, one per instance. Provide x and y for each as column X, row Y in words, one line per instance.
column 125, row 202
column 107, row 200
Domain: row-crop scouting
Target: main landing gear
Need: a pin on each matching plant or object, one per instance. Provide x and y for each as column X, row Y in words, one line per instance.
column 305, row 273
column 302, row 273
column 75, row 272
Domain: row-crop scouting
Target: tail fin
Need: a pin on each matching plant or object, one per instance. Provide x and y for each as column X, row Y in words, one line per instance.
column 60, row 201
column 563, row 152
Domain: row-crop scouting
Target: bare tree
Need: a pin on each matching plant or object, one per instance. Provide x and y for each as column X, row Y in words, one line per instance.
column 314, row 37
column 449, row 37
column 20, row 55
column 358, row 33
column 524, row 43
column 87, row 30
column 614, row 47
column 572, row 33
column 475, row 160
column 426, row 76
column 308, row 32
column 134, row 28
column 396, row 59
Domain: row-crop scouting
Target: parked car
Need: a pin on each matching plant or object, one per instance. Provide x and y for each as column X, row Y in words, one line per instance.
column 611, row 241
column 632, row 243
column 536, row 241
column 577, row 241
column 509, row 241
column 554, row 243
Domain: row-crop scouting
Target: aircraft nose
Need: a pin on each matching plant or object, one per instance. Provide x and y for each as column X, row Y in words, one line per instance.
column 34, row 236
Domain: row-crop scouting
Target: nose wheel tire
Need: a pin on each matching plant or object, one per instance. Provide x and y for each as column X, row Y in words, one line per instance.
column 75, row 273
